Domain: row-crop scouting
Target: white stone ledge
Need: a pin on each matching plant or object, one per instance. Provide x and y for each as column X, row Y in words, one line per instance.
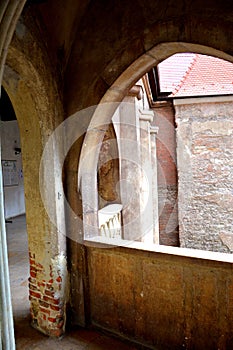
column 146, row 115
column 207, row 99
column 105, row 242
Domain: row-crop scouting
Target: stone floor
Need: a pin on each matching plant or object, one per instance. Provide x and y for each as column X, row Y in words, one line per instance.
column 27, row 337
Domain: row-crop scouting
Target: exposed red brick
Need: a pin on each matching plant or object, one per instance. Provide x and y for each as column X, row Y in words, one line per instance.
column 59, row 279
column 45, row 311
column 52, row 319
column 49, row 293
column 49, row 286
column 55, row 308
column 32, row 261
column 41, row 284
column 32, row 287
column 32, row 280
column 39, row 266
column 51, row 300
column 35, row 294
column 33, row 274
column 44, row 304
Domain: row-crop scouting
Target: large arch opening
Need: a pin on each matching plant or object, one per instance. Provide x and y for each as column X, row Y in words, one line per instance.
column 96, row 132
column 121, row 265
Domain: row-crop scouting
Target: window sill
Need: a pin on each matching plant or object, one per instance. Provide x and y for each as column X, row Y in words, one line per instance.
column 105, row 242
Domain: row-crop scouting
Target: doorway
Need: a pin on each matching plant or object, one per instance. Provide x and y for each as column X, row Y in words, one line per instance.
column 14, row 211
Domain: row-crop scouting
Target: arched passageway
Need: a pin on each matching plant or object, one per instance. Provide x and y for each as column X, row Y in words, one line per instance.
column 28, row 90
column 66, row 61
column 14, row 209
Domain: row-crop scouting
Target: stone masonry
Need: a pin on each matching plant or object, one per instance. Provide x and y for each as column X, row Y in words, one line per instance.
column 205, row 172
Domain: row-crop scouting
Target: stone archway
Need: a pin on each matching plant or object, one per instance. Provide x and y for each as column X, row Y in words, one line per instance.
column 94, row 137
column 103, row 114
column 33, row 94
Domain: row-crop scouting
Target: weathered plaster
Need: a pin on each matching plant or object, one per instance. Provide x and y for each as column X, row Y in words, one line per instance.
column 204, row 153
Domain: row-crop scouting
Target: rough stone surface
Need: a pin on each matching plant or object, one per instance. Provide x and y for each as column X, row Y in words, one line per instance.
column 205, row 170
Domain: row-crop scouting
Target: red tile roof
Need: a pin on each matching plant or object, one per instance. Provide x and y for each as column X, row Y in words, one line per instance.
column 189, row 74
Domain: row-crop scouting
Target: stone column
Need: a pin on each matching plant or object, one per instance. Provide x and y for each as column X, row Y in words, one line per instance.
column 153, row 132
column 130, row 168
column 89, row 188
column 146, row 203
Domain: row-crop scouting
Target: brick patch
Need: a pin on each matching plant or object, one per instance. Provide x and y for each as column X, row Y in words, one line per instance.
column 47, row 308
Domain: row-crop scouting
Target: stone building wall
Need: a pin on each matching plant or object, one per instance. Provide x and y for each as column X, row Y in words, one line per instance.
column 205, row 172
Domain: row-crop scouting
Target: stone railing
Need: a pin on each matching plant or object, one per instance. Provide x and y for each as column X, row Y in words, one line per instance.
column 110, row 221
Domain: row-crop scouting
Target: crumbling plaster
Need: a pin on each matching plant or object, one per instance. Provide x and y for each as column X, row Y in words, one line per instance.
column 32, row 89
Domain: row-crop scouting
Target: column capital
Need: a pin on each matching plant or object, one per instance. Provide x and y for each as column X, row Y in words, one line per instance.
column 154, row 130
column 136, row 91
column 146, row 115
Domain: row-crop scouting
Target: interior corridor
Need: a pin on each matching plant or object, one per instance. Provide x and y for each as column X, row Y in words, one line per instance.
column 26, row 336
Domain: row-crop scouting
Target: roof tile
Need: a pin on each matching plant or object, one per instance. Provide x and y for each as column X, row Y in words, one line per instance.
column 189, row 74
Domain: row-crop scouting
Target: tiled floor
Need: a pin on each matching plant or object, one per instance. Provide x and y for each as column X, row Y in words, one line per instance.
column 27, row 337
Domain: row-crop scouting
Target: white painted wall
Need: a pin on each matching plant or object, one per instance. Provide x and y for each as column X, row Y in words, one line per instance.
column 13, row 195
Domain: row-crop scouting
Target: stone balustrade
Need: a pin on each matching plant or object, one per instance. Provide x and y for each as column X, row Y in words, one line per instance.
column 110, row 221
